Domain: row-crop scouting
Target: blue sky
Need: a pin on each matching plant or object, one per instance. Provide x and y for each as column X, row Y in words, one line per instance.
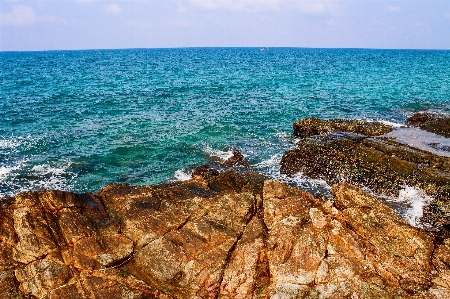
column 100, row 24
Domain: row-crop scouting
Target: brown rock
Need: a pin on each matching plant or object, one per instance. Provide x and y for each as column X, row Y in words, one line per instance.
column 96, row 253
column 229, row 235
column 313, row 126
column 398, row 251
column 9, row 286
column 236, row 160
column 205, row 172
column 41, row 277
column 8, row 238
column 190, row 260
column 315, row 250
column 436, row 123
column 380, row 164
column 246, row 269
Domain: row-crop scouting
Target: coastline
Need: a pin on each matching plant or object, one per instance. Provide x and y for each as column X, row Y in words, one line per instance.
column 228, row 232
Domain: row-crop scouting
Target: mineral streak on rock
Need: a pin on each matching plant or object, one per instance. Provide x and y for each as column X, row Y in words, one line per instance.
column 227, row 235
column 313, row 126
column 380, row 164
column 436, row 123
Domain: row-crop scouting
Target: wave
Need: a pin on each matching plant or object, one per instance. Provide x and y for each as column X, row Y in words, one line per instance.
column 220, row 155
column 271, row 169
column 409, row 205
column 25, row 177
column 5, row 170
column 182, row 175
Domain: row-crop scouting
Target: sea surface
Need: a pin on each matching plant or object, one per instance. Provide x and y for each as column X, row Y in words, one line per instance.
column 80, row 120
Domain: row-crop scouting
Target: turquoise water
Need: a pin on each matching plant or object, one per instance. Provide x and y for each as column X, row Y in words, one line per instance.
column 80, row 120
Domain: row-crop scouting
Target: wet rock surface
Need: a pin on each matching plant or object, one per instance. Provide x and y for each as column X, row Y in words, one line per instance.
column 237, row 159
column 381, row 164
column 313, row 126
column 219, row 235
column 436, row 123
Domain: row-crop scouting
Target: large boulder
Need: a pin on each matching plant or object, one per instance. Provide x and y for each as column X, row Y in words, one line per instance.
column 219, row 235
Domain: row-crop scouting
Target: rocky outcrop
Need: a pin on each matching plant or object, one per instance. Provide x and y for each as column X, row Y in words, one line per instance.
column 237, row 159
column 381, row 164
column 432, row 122
column 219, row 235
column 313, row 126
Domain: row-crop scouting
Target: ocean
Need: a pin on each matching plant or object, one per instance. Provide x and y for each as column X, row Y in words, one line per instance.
column 80, row 120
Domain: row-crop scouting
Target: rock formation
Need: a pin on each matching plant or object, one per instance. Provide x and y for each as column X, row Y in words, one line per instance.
column 381, row 164
column 235, row 234
column 436, row 123
column 237, row 159
column 219, row 235
column 313, row 126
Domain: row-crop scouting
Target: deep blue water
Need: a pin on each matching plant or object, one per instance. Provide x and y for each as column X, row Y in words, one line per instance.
column 80, row 120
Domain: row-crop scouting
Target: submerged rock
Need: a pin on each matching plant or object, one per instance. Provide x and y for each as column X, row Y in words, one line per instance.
column 227, row 235
column 313, row 126
column 436, row 123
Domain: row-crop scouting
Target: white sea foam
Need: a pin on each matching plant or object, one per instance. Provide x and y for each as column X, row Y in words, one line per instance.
column 392, row 124
column 313, row 186
column 221, row 155
column 38, row 177
column 182, row 175
column 45, row 169
column 415, row 199
column 273, row 161
column 284, row 137
column 410, row 203
column 52, row 176
column 271, row 168
column 4, row 170
column 386, row 122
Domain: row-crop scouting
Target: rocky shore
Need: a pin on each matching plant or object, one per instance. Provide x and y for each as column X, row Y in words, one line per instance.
column 236, row 234
column 358, row 153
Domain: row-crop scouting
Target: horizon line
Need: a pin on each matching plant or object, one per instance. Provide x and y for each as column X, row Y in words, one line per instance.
column 226, row 47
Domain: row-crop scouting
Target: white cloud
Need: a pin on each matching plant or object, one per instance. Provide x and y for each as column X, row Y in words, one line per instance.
column 21, row 15
column 113, row 9
column 236, row 5
column 390, row 8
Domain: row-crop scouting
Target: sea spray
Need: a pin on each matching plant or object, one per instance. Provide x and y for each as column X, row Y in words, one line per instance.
column 182, row 175
column 413, row 200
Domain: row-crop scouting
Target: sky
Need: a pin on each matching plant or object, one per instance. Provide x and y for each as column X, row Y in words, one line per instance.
column 114, row 24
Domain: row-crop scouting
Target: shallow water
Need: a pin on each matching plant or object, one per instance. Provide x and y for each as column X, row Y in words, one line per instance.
column 79, row 120
column 423, row 140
